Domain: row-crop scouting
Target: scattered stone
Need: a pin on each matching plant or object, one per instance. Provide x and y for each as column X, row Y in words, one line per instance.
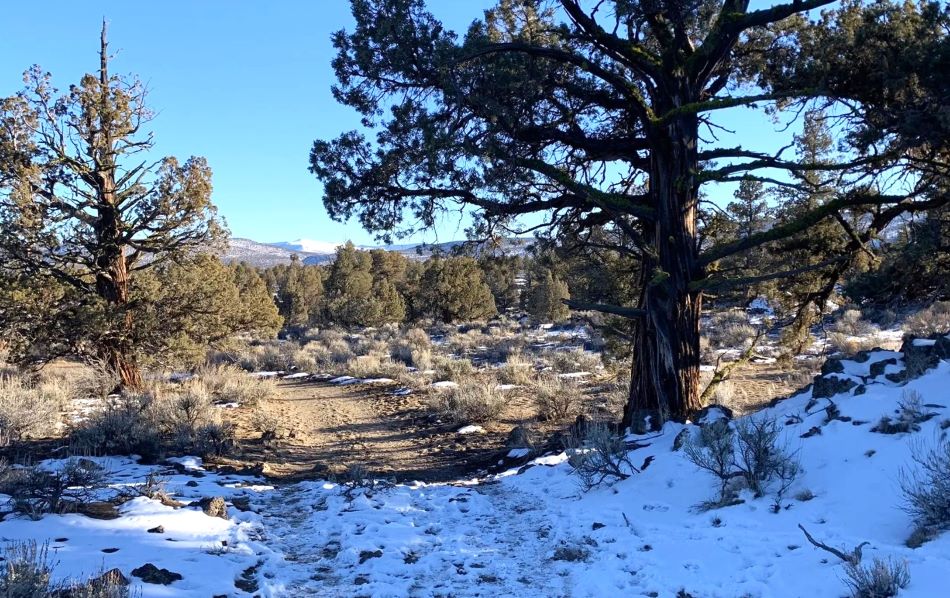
column 360, row 580
column 191, row 484
column 158, row 529
column 214, row 507
column 832, row 366
column 366, row 555
column 61, row 540
column 248, row 580
column 814, row 431
column 110, row 550
column 829, row 386
column 597, row 525
column 242, row 503
column 149, row 573
column 110, row 579
column 518, row 438
column 681, row 439
column 877, row 368
column 711, row 414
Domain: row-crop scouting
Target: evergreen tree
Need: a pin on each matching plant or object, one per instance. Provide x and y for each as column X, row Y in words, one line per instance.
column 79, row 206
column 453, row 289
column 546, row 294
column 503, row 274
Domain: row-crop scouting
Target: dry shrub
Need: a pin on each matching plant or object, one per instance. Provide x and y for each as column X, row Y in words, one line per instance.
column 574, row 360
column 517, row 369
column 926, row 486
column 456, row 370
column 473, row 401
column 597, row 455
column 375, row 366
column 26, row 572
column 931, row 320
column 38, row 490
column 414, row 348
column 729, row 330
column 29, row 409
column 229, row 384
column 555, row 398
column 850, row 345
column 881, row 579
column 852, row 323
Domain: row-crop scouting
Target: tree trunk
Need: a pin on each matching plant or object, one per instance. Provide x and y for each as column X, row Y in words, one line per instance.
column 665, row 375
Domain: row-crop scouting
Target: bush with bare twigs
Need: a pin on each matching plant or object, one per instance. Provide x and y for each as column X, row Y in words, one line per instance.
column 29, row 409
column 597, row 455
column 473, row 401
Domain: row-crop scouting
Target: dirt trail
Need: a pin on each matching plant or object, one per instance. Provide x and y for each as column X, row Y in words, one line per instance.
column 327, row 428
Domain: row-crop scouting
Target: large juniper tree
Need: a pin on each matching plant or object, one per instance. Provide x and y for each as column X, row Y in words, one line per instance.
column 81, row 204
column 604, row 115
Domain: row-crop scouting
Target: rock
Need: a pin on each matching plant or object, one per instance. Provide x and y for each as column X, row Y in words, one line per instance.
column 149, row 573
column 214, row 507
column 241, row 503
column 711, row 414
column 370, row 554
column 597, row 525
column 518, row 438
column 829, row 386
column 681, row 439
column 860, row 390
column 157, row 530
column 832, row 366
column 110, row 579
column 191, row 484
column 877, row 368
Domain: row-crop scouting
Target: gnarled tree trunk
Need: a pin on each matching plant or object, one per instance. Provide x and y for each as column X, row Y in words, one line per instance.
column 665, row 376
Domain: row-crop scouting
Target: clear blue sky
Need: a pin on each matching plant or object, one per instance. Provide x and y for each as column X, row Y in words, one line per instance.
column 244, row 84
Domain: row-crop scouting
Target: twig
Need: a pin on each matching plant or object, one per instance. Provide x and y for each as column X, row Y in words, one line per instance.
column 854, row 558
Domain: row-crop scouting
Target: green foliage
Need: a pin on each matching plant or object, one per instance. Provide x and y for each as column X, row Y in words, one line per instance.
column 545, row 292
column 453, row 289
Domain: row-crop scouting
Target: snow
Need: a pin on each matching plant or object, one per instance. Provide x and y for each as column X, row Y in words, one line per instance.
column 297, row 376
column 532, row 531
column 571, row 375
column 472, row 429
column 264, row 374
column 445, row 384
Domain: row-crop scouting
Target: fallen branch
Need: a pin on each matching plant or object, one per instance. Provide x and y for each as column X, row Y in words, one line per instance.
column 853, row 558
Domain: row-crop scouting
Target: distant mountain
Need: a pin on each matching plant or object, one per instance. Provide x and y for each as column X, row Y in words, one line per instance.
column 307, row 246
column 321, row 252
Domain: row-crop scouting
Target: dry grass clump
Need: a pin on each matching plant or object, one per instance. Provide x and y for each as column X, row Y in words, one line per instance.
column 456, row 370
column 375, row 366
column 473, row 401
column 851, row 345
column 414, row 348
column 517, row 369
column 555, row 398
column 29, row 409
column 931, row 320
column 27, row 571
column 729, row 330
column 573, row 360
column 229, row 384
column 149, row 424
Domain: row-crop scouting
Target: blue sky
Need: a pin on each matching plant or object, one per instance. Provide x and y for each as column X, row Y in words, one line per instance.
column 244, row 84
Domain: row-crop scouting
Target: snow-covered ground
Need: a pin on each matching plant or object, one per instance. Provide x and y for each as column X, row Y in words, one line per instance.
column 533, row 531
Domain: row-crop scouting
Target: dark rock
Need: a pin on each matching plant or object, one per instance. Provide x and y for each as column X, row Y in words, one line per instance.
column 814, row 431
column 149, row 573
column 860, row 390
column 242, row 503
column 832, row 366
column 157, row 530
column 191, row 484
column 370, row 554
column 214, row 507
column 110, row 550
column 711, row 414
column 681, row 439
column 829, row 386
column 877, row 368
column 597, row 525
column 61, row 540
column 110, row 579
column 518, row 438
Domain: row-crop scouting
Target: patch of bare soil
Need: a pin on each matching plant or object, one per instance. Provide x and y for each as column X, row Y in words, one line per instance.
column 327, row 428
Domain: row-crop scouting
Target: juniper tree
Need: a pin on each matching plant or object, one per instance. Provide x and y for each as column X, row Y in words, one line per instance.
column 81, row 203
column 606, row 115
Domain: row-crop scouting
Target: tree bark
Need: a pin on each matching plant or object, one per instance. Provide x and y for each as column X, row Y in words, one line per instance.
column 665, row 374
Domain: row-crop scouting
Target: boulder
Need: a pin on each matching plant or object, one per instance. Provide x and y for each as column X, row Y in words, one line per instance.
column 149, row 573
column 828, row 386
column 214, row 507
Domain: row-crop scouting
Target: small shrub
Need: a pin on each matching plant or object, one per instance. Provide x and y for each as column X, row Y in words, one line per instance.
column 714, row 452
column 26, row 409
column 597, row 455
column 852, row 323
column 575, row 360
column 910, row 415
column 517, row 369
column 456, row 370
column 729, row 330
column 36, row 490
column 374, row 366
column 473, row 401
column 926, row 487
column 931, row 320
column 761, row 457
column 555, row 399
column 124, row 425
column 881, row 579
column 26, row 570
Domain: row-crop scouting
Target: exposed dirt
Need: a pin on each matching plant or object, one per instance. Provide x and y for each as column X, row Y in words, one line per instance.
column 326, row 428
